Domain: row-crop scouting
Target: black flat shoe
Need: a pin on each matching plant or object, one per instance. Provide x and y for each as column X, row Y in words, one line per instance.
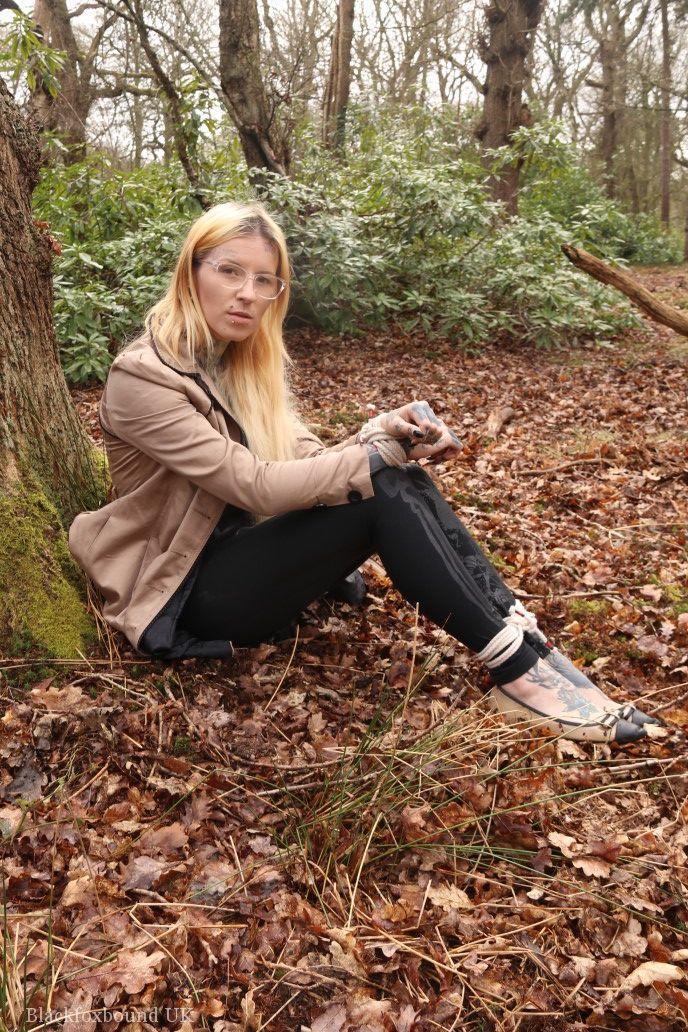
column 603, row 727
column 626, row 710
column 351, row 589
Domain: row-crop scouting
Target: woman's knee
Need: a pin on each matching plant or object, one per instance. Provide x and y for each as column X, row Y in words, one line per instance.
column 408, row 483
column 420, row 475
column 414, row 474
column 409, row 471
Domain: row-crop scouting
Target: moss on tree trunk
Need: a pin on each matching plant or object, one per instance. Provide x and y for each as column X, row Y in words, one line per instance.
column 49, row 469
column 42, row 603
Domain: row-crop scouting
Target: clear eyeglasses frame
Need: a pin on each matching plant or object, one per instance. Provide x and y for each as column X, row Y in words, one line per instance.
column 269, row 289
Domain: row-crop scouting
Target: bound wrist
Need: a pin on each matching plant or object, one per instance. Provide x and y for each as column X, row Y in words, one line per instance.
column 370, row 427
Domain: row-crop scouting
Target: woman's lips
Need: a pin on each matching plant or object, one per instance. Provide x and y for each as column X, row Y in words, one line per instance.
column 240, row 315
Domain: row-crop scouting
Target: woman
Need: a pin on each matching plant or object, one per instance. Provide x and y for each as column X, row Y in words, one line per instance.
column 228, row 516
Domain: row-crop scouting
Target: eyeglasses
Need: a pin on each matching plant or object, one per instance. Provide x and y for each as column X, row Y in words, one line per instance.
column 234, row 276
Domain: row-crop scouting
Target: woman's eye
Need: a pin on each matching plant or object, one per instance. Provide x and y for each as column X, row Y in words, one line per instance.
column 265, row 281
column 231, row 271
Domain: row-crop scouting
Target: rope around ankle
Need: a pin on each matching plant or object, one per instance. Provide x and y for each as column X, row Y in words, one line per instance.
column 521, row 617
column 509, row 640
column 502, row 646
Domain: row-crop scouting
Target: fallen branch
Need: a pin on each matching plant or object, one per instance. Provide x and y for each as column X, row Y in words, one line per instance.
column 644, row 299
column 564, row 465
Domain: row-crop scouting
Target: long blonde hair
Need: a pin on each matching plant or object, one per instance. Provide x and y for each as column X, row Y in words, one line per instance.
column 254, row 380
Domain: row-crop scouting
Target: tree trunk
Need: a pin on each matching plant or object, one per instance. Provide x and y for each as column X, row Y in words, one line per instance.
column 339, row 79
column 49, row 470
column 644, row 299
column 505, row 49
column 138, row 113
column 633, row 188
column 331, row 88
column 665, row 146
column 68, row 111
column 619, row 26
column 609, row 141
column 183, row 136
column 242, row 84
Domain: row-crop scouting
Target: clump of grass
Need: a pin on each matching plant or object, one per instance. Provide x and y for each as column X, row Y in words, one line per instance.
column 676, row 595
column 22, row 993
column 588, row 606
column 400, row 790
column 580, row 651
column 360, row 813
column 497, row 560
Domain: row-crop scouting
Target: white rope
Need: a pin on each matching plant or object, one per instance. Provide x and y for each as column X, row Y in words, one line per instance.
column 508, row 641
column 390, row 448
column 521, row 617
column 374, row 423
column 502, row 647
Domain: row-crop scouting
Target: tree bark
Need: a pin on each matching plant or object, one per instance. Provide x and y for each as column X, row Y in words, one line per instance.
column 609, row 142
column 242, row 85
column 184, row 141
column 665, row 146
column 339, row 79
column 614, row 34
column 68, row 112
column 657, row 310
column 505, row 49
column 331, row 88
column 137, row 106
column 48, row 468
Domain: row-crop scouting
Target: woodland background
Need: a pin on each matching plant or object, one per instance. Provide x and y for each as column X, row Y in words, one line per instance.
column 333, row 834
column 385, row 134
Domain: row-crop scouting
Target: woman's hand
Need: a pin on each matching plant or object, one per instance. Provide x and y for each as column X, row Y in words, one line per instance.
column 422, row 433
column 437, row 442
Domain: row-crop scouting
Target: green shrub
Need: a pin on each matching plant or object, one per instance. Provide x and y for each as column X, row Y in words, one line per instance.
column 557, row 182
column 401, row 233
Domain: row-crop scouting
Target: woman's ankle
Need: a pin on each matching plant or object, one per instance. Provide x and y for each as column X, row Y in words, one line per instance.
column 547, row 691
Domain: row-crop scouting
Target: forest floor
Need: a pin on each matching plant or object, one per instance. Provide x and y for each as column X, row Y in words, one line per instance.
column 335, row 834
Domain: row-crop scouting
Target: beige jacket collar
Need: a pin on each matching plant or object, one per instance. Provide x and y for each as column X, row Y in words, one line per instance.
column 187, row 367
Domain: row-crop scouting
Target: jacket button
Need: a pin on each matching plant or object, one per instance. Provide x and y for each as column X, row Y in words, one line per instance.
column 355, row 495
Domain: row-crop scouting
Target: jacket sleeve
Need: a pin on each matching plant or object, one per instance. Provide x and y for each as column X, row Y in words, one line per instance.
column 308, row 444
column 161, row 421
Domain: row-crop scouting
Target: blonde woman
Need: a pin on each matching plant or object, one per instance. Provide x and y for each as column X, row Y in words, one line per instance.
column 228, row 516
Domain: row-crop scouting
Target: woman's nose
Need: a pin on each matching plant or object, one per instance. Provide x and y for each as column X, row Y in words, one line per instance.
column 248, row 289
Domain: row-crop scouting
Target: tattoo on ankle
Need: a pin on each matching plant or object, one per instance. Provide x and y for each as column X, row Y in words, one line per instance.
column 542, row 676
column 569, row 670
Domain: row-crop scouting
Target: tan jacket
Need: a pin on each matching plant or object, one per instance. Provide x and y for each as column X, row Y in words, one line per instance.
column 176, row 460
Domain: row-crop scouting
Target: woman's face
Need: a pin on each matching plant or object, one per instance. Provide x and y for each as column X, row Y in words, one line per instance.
column 233, row 310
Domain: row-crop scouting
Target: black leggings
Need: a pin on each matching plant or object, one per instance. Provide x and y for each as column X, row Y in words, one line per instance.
column 255, row 582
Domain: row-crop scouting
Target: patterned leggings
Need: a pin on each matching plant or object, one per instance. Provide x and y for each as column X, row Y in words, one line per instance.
column 255, row 582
